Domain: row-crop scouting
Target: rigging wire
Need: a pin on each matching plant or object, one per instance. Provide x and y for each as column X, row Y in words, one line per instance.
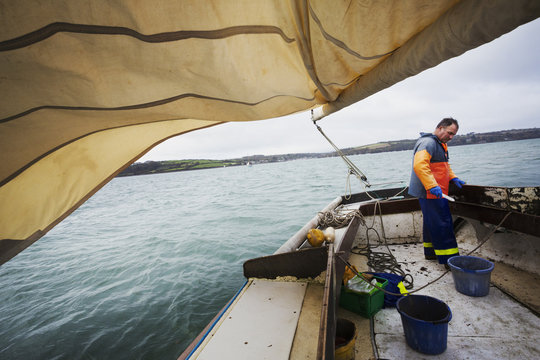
column 353, row 169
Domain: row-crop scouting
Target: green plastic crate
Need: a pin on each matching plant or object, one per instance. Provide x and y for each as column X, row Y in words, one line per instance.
column 365, row 304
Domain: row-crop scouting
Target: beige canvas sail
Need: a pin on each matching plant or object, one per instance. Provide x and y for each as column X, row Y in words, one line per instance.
column 88, row 87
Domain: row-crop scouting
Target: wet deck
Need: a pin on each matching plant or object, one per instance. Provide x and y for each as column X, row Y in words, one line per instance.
column 490, row 327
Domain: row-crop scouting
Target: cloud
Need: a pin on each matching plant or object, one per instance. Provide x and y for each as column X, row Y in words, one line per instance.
column 493, row 87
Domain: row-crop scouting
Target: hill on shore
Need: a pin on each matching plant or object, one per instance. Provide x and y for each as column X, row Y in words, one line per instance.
column 154, row 167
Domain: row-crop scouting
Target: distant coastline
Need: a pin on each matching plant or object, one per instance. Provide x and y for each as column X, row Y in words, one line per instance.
column 156, row 167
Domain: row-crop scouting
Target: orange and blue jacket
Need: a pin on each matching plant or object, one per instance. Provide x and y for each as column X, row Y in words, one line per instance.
column 430, row 167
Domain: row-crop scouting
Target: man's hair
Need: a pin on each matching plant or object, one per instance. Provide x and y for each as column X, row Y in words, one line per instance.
column 447, row 122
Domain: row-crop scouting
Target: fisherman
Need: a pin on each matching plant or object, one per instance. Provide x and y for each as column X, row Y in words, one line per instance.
column 430, row 177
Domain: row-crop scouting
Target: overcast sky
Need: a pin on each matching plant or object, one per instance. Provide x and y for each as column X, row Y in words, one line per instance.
column 493, row 87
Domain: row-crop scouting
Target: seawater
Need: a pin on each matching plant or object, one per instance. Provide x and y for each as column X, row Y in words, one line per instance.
column 140, row 269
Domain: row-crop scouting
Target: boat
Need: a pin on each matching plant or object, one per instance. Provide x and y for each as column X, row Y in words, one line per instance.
column 289, row 307
column 87, row 89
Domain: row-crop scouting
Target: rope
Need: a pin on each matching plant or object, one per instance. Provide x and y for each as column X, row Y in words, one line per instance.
column 348, row 194
column 382, row 261
column 378, row 197
column 486, row 238
column 339, row 218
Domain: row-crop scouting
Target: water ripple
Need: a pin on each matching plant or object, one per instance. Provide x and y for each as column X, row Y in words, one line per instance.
column 144, row 265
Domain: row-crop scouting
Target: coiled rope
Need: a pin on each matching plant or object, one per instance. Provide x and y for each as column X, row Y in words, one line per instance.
column 378, row 260
column 339, row 218
column 486, row 238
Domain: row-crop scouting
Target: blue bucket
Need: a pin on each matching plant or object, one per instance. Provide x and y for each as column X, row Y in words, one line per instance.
column 471, row 274
column 425, row 323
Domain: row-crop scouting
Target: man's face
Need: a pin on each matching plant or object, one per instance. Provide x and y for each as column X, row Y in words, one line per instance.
column 446, row 133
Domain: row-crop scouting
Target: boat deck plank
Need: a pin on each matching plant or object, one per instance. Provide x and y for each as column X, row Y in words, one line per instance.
column 306, row 337
column 261, row 325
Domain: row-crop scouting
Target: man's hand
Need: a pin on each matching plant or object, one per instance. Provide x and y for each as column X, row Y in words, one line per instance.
column 457, row 182
column 436, row 191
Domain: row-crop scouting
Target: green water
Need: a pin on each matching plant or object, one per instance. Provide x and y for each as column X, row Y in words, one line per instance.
column 144, row 265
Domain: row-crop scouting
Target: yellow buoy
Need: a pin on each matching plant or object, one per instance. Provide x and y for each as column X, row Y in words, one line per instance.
column 315, row 237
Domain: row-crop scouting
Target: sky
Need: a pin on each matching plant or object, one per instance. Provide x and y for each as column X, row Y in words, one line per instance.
column 493, row 87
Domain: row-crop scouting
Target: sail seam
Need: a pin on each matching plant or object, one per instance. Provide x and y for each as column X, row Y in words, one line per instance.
column 341, row 44
column 142, row 105
column 58, row 27
column 60, row 146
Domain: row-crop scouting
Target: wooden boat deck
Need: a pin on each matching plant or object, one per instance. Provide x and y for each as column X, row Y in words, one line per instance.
column 259, row 325
column 494, row 326
column 270, row 319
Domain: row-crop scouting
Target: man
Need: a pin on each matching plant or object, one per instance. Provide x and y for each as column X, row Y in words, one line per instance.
column 430, row 178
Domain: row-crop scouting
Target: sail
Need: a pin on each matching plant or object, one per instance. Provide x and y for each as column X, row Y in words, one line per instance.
column 89, row 87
